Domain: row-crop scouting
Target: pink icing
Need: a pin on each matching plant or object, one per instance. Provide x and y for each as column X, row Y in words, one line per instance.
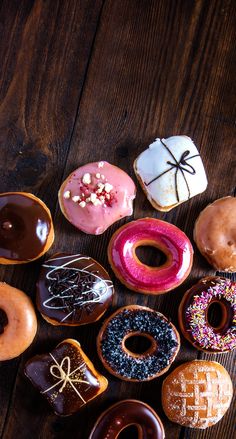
column 95, row 219
column 163, row 235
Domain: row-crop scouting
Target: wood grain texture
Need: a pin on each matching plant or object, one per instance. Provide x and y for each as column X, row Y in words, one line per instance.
column 78, row 84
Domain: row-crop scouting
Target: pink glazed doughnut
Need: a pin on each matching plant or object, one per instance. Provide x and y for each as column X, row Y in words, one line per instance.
column 156, row 233
column 96, row 195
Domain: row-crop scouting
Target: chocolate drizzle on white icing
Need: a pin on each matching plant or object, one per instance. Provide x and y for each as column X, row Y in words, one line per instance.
column 179, row 165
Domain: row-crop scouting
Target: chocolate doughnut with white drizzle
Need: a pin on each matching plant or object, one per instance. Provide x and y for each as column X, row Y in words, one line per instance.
column 73, row 290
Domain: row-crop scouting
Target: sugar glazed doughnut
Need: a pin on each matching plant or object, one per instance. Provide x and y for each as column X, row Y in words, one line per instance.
column 95, row 196
column 197, row 394
column 26, row 228
column 215, row 234
column 131, row 321
column 143, row 278
column 65, row 377
column 18, row 322
column 73, row 290
column 125, row 413
column 170, row 172
column 193, row 315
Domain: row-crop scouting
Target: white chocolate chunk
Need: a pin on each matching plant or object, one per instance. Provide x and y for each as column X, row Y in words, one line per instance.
column 108, row 187
column 86, row 178
column 88, row 199
column 171, row 171
column 98, row 175
column 66, row 195
column 75, row 198
column 100, row 164
column 82, row 204
column 100, row 187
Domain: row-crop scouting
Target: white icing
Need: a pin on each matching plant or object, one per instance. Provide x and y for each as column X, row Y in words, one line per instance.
column 189, row 175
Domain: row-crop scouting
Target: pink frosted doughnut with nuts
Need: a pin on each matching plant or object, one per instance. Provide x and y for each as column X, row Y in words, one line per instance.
column 95, row 196
column 156, row 233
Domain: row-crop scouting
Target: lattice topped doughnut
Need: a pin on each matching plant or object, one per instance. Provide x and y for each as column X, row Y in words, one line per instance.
column 197, row 394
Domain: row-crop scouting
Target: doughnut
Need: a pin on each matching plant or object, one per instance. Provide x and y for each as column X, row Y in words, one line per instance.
column 141, row 321
column 65, row 377
column 143, row 278
column 215, row 234
column 26, row 228
column 95, row 196
column 18, row 322
column 197, row 394
column 193, row 315
column 170, row 171
column 125, row 413
column 73, row 290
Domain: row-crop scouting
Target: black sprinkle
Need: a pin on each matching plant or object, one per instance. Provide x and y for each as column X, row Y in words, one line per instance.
column 143, row 321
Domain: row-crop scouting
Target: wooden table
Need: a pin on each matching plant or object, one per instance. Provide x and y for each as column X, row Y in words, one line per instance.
column 95, row 80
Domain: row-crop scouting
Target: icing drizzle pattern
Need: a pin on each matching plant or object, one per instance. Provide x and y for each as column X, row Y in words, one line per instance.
column 179, row 165
column 72, row 289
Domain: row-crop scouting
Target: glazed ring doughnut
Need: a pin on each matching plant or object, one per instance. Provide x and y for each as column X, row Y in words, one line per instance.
column 132, row 321
column 18, row 322
column 215, row 234
column 125, row 413
column 193, row 315
column 26, row 228
column 143, row 278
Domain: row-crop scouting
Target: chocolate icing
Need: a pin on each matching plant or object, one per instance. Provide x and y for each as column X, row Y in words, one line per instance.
column 63, row 377
column 73, row 289
column 126, row 413
column 24, row 227
column 227, row 310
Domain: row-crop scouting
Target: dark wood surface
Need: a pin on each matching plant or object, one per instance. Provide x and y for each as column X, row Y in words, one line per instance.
column 98, row 80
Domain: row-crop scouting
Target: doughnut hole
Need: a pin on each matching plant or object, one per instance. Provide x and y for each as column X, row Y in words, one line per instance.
column 129, row 432
column 150, row 255
column 138, row 344
column 216, row 315
column 3, row 320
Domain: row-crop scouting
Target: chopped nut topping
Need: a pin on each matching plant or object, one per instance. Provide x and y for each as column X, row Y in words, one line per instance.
column 103, row 177
column 75, row 198
column 88, row 200
column 100, row 188
column 66, row 195
column 98, row 175
column 97, row 202
column 86, row 178
column 108, row 187
column 93, row 197
column 100, row 164
column 82, row 204
column 108, row 196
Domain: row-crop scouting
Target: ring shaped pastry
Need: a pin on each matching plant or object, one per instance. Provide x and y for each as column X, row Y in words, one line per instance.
column 193, row 315
column 215, row 234
column 73, row 290
column 131, row 321
column 26, row 228
column 18, row 322
column 197, row 394
column 126, row 413
column 152, row 232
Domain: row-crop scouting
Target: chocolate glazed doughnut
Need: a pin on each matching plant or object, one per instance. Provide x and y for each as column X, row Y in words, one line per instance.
column 73, row 290
column 194, row 317
column 125, row 413
column 26, row 228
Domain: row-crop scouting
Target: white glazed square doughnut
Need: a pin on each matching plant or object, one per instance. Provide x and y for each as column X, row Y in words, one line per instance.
column 170, row 172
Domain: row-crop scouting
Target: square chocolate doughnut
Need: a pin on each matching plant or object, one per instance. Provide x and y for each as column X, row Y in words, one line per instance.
column 65, row 377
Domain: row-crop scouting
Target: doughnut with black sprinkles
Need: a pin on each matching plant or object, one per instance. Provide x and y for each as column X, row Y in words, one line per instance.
column 144, row 321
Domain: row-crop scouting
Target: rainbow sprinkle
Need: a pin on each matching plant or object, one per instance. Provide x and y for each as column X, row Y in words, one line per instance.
column 203, row 334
